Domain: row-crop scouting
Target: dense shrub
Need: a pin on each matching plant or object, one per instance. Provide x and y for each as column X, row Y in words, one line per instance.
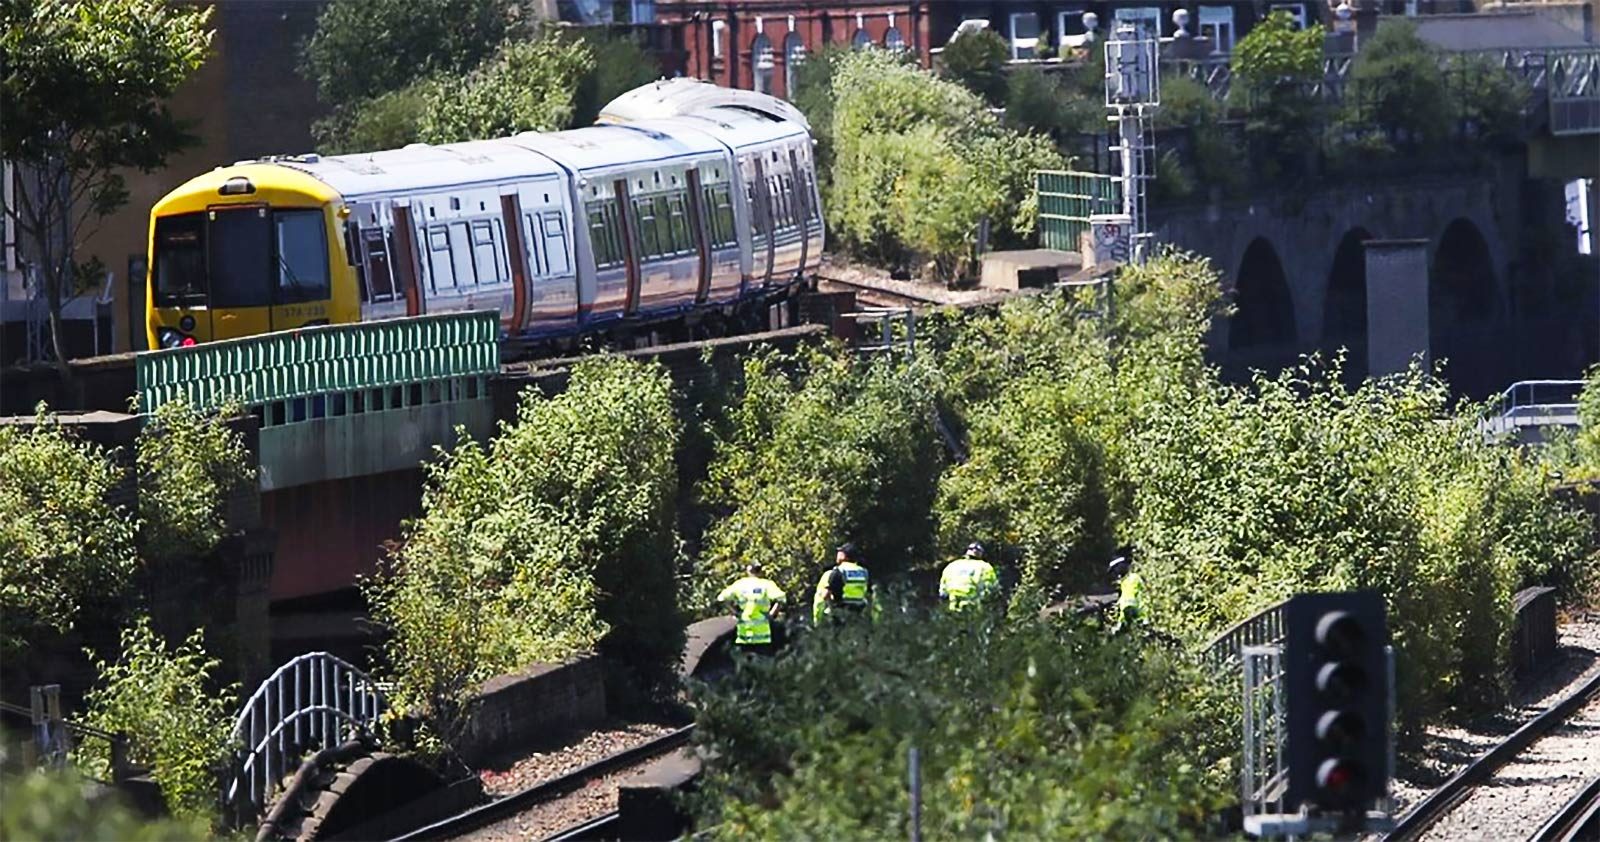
column 188, row 464
column 1397, row 89
column 64, row 805
column 525, row 86
column 176, row 719
column 819, row 450
column 62, row 542
column 1273, row 68
column 977, row 62
column 918, row 162
column 555, row 538
column 1030, row 730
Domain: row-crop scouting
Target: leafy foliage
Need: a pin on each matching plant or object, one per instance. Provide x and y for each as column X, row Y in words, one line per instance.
column 1028, row 730
column 554, row 538
column 977, row 61
column 386, row 121
column 64, row 806
column 62, row 541
column 918, row 162
column 1589, row 421
column 618, row 65
column 83, row 95
column 1273, row 68
column 188, row 464
column 1397, row 87
column 834, row 451
column 176, row 720
column 365, row 48
column 1049, row 104
column 526, row 86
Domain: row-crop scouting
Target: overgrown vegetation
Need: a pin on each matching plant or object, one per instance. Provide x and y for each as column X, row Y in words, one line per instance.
column 188, row 465
column 556, row 538
column 176, row 718
column 459, row 70
column 66, row 806
column 820, row 450
column 1024, row 730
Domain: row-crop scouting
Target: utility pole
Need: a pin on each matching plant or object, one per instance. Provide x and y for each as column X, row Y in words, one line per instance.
column 1133, row 93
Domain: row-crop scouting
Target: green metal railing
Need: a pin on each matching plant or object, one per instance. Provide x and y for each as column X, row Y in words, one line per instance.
column 394, row 356
column 1067, row 200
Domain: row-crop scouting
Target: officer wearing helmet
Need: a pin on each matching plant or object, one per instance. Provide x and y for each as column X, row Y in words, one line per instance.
column 1130, row 591
column 968, row 580
column 844, row 589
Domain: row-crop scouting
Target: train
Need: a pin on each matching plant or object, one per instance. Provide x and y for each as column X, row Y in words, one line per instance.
column 686, row 202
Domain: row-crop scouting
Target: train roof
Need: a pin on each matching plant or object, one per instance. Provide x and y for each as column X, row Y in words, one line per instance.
column 419, row 164
column 600, row 147
column 676, row 97
column 736, row 127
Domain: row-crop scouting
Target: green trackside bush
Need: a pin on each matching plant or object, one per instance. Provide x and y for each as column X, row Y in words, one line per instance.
column 65, row 805
column 188, row 464
column 1030, row 729
column 555, row 538
column 817, row 450
column 176, row 719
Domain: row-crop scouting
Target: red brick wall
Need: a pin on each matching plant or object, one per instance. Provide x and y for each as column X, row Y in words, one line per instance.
column 815, row 26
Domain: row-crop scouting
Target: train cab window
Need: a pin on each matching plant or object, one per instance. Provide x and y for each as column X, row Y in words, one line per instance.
column 556, row 248
column 180, row 275
column 239, row 257
column 302, row 243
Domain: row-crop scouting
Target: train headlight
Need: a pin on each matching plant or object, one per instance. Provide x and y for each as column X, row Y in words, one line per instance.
column 169, row 338
column 186, row 324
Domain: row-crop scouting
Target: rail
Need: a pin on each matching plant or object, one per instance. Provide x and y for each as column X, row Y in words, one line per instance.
column 1534, row 403
column 1578, row 819
column 315, row 701
column 295, row 365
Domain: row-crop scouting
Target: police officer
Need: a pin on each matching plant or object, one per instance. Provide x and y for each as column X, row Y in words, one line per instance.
column 1130, row 593
column 844, row 588
column 754, row 600
column 968, row 580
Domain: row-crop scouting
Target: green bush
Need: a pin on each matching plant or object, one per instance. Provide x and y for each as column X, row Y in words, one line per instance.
column 819, row 450
column 1397, row 86
column 619, row 65
column 62, row 542
column 556, row 538
column 1028, row 730
column 65, row 807
column 176, row 720
column 525, row 86
column 188, row 464
column 918, row 162
column 1273, row 68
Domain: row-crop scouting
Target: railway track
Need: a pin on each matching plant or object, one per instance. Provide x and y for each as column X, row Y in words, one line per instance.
column 1487, row 799
column 503, row 808
column 880, row 293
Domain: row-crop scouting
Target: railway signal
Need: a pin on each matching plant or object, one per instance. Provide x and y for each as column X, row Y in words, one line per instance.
column 1336, row 676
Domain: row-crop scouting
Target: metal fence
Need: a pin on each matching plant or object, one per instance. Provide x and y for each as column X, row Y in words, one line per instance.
column 1067, row 199
column 313, row 702
column 1264, row 628
column 1534, row 403
column 298, row 364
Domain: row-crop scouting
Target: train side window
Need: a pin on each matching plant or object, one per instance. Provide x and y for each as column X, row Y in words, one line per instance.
column 678, row 215
column 486, row 251
column 530, row 240
column 440, row 272
column 556, row 248
column 757, row 227
column 644, row 211
column 461, row 254
column 380, row 278
column 719, row 212
column 604, row 234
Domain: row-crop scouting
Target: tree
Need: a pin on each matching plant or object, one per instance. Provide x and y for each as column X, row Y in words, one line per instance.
column 366, row 48
column 526, row 86
column 618, row 65
column 176, row 719
column 977, row 61
column 1273, row 69
column 66, row 806
column 552, row 540
column 1397, row 87
column 63, row 543
column 83, row 95
column 188, row 465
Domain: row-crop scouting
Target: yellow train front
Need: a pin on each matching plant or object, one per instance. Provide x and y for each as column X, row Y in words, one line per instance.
column 245, row 250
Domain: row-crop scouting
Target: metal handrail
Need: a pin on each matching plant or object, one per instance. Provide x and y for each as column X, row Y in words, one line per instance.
column 318, row 697
column 1520, row 405
column 1263, row 628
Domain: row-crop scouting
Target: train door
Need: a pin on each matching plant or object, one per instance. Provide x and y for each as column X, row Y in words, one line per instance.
column 548, row 244
column 762, row 244
column 406, row 257
column 802, row 208
column 699, row 230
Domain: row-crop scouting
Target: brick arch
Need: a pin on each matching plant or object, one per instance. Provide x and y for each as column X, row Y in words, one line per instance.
column 1464, row 307
column 1264, row 307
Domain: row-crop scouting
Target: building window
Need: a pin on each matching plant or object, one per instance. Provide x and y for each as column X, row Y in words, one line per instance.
column 1147, row 18
column 861, row 40
column 1216, row 23
column 1297, row 11
column 1069, row 25
column 718, row 33
column 761, row 62
column 893, row 41
column 794, row 55
column 644, row 11
column 1024, row 35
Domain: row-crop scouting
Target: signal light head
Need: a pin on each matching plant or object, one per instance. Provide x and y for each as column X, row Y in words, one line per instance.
column 1340, row 681
column 1339, row 728
column 1337, row 777
column 1340, row 634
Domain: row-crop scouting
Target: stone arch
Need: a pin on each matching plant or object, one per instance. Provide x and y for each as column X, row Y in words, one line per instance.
column 1464, row 309
column 1264, row 307
column 1344, row 304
